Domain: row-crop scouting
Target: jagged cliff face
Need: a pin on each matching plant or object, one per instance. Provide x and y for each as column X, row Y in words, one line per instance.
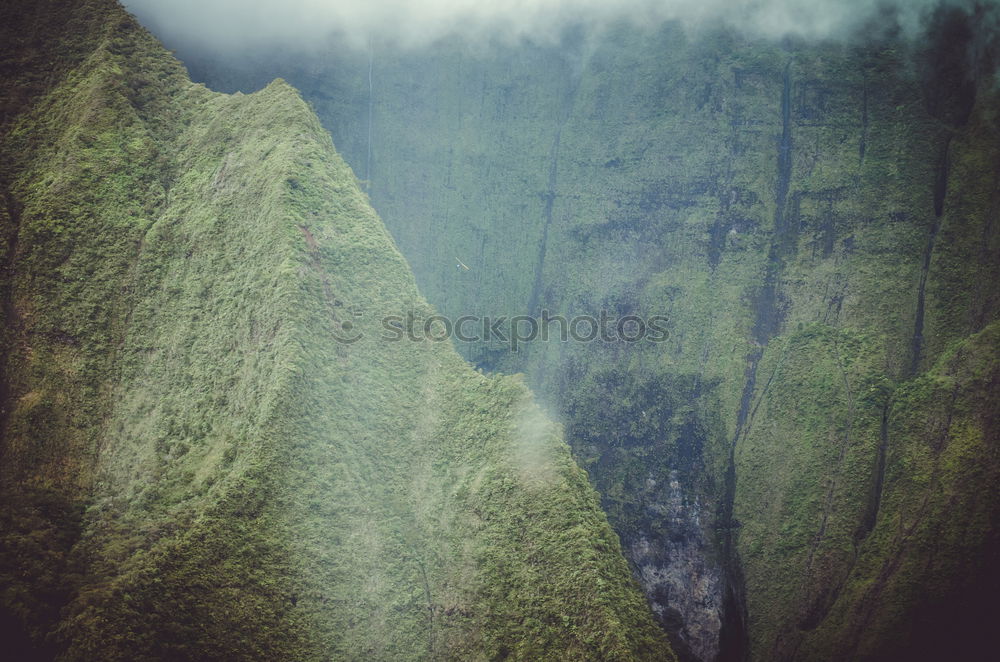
column 805, row 469
column 193, row 466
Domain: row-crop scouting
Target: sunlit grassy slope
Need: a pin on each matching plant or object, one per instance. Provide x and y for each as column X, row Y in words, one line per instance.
column 192, row 466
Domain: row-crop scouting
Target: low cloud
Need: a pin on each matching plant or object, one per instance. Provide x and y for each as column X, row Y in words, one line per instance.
column 236, row 24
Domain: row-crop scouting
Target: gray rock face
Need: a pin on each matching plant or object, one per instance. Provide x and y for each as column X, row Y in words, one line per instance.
column 683, row 585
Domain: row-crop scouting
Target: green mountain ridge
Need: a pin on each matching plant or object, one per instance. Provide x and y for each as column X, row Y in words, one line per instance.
column 806, row 469
column 193, row 467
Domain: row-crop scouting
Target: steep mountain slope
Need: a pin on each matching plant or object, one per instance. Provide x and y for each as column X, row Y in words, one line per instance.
column 805, row 469
column 195, row 465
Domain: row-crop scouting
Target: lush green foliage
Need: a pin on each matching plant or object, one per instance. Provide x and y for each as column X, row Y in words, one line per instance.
column 193, row 467
column 818, row 222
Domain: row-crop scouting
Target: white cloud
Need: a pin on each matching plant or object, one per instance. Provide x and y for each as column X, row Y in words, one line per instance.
column 240, row 23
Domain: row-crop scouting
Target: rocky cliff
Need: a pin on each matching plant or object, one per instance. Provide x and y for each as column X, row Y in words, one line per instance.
column 805, row 469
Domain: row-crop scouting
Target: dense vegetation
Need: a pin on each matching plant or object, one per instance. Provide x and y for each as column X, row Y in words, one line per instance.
column 817, row 220
column 192, row 466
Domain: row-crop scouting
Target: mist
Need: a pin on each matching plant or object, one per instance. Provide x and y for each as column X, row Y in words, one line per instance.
column 238, row 24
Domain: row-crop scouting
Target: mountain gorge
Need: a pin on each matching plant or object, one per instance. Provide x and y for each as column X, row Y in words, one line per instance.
column 804, row 470
column 212, row 450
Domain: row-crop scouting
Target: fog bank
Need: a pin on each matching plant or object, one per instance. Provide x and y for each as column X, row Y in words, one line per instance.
column 236, row 24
